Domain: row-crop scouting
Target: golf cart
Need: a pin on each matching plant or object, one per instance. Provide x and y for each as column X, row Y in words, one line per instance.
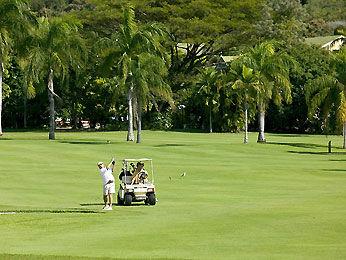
column 134, row 182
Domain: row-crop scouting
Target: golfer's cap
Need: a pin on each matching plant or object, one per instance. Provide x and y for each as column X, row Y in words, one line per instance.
column 99, row 163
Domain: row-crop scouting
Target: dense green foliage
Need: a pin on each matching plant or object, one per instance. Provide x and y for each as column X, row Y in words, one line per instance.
column 265, row 202
column 137, row 60
column 188, row 37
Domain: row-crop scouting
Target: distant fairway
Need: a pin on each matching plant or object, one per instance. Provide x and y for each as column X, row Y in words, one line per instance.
column 282, row 200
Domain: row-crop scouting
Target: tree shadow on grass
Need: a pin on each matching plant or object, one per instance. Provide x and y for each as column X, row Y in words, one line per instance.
column 47, row 257
column 289, row 135
column 315, row 153
column 59, row 141
column 318, row 153
column 310, row 146
column 334, row 170
column 338, row 160
column 58, row 211
column 299, row 145
column 5, row 139
column 170, row 145
column 86, row 142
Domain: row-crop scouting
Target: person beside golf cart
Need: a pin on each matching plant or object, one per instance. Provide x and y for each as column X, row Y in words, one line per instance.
column 138, row 187
column 139, row 174
column 108, row 183
column 124, row 173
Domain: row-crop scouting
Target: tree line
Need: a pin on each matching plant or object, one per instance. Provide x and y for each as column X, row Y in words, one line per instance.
column 193, row 65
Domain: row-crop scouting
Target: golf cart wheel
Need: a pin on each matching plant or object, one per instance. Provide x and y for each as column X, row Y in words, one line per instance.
column 151, row 199
column 128, row 199
column 120, row 201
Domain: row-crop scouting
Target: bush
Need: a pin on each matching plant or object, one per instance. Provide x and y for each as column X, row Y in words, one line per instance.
column 160, row 121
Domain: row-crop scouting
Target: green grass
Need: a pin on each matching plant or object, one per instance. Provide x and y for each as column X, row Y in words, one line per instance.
column 281, row 200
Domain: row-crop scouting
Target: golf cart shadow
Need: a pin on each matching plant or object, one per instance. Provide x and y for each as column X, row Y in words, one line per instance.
column 102, row 204
column 132, row 205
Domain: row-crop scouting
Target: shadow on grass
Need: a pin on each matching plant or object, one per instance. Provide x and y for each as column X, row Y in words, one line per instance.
column 310, row 146
column 299, row 145
column 289, row 135
column 91, row 204
column 315, row 153
column 46, row 257
column 86, row 142
column 318, row 153
column 170, row 145
column 338, row 160
column 59, row 141
column 58, row 211
column 115, row 204
column 5, row 139
column 334, row 170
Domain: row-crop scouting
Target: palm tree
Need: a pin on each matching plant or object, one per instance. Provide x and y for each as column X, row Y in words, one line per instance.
column 29, row 92
column 127, row 51
column 149, row 85
column 245, row 81
column 15, row 22
column 273, row 68
column 209, row 82
column 54, row 47
column 328, row 92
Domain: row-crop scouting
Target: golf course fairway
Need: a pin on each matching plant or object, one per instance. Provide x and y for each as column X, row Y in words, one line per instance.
column 285, row 199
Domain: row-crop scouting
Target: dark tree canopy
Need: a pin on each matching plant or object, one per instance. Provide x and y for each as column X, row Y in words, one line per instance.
column 202, row 34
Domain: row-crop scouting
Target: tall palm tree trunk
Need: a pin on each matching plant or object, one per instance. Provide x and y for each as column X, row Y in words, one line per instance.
column 344, row 134
column 139, row 122
column 130, row 134
column 246, row 139
column 51, row 106
column 25, row 109
column 1, row 73
column 210, row 120
column 261, row 119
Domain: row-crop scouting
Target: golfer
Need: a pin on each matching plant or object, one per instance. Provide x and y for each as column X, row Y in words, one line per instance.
column 108, row 183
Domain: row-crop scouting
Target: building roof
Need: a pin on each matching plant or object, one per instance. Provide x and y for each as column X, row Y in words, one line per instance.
column 333, row 42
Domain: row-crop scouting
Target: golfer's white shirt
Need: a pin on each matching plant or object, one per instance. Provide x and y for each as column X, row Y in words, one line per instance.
column 106, row 175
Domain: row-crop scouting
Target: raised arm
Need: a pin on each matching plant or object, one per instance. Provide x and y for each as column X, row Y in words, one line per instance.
column 111, row 165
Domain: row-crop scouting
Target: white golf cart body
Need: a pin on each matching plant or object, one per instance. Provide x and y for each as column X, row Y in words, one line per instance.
column 142, row 191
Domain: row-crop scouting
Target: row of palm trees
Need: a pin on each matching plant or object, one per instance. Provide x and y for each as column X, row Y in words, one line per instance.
column 258, row 76
column 140, row 65
column 50, row 48
column 136, row 59
column 263, row 74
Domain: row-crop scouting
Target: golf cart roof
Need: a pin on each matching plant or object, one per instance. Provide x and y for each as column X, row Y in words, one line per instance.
column 137, row 160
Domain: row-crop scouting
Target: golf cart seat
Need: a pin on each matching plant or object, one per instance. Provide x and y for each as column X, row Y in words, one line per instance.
column 126, row 179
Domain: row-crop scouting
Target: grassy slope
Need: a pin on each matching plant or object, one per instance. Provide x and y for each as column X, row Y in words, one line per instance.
column 283, row 199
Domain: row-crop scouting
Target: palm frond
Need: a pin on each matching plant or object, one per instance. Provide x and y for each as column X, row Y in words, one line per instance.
column 129, row 26
column 318, row 93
